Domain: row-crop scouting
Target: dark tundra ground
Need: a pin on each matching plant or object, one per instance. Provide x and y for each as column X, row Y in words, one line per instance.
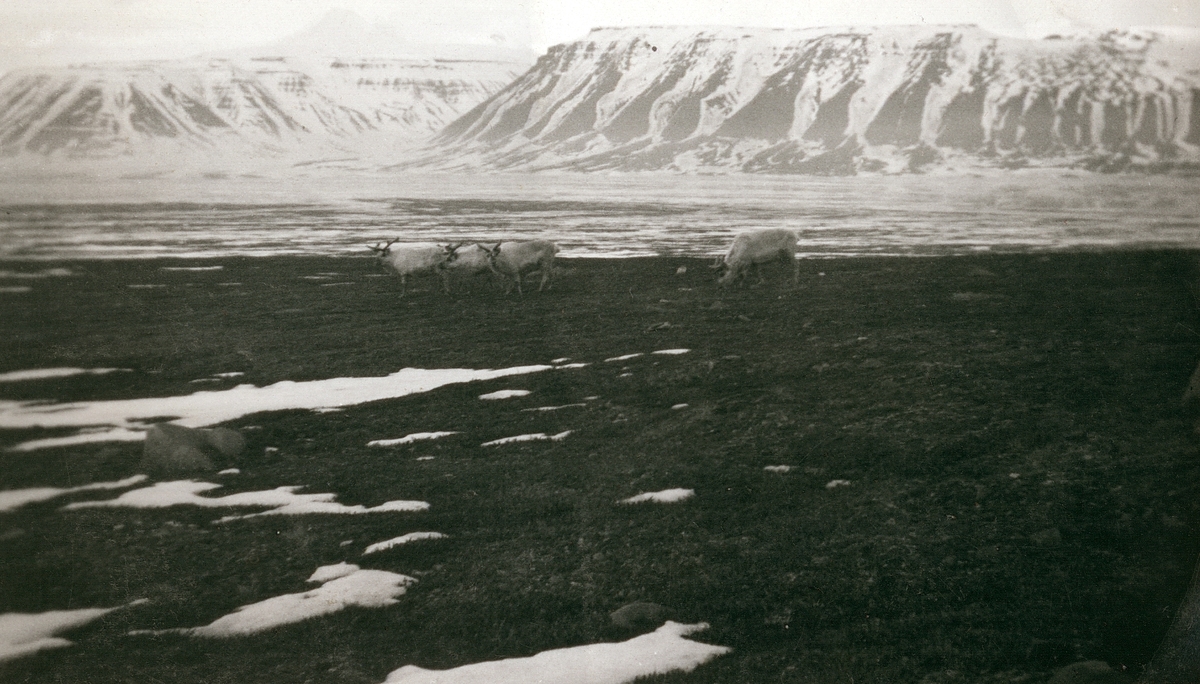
column 1023, row 476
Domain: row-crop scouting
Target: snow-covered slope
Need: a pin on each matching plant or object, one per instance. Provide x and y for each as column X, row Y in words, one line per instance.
column 240, row 104
column 838, row 101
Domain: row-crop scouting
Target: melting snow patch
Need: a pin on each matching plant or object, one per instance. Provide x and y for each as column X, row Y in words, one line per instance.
column 326, row 573
column 551, row 408
column 424, row 458
column 191, row 268
column 23, row 634
column 567, row 366
column 230, row 471
column 84, row 437
column 44, row 273
column 535, row 437
column 679, row 406
column 562, row 359
column 833, row 484
column 661, row 651
column 623, row 358
column 280, row 501
column 204, row 408
column 777, row 469
column 410, row 537
column 16, row 498
column 47, row 373
column 665, row 496
column 504, row 394
column 234, row 374
column 672, row 352
column 409, row 439
column 145, row 286
column 344, row 586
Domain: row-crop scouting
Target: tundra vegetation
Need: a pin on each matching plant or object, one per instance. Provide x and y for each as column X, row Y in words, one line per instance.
column 1020, row 475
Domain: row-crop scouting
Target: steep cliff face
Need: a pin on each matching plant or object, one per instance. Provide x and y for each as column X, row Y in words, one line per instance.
column 837, row 101
column 238, row 104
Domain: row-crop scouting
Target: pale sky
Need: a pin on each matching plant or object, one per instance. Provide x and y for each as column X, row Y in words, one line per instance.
column 61, row 31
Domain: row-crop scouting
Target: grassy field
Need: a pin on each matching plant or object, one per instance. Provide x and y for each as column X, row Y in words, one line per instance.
column 1023, row 479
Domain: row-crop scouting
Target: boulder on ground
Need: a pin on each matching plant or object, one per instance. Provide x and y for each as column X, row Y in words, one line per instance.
column 640, row 616
column 173, row 449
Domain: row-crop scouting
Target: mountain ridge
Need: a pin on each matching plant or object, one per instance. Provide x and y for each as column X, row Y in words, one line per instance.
column 835, row 101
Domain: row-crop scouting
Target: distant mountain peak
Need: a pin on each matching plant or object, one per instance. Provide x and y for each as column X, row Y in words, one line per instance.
column 838, row 100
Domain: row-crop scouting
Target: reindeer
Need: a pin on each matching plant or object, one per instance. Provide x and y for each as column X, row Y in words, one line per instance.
column 511, row 260
column 749, row 250
column 469, row 261
column 414, row 259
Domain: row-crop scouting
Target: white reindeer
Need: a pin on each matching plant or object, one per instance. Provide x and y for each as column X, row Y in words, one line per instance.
column 469, row 261
column 511, row 260
column 414, row 259
column 750, row 250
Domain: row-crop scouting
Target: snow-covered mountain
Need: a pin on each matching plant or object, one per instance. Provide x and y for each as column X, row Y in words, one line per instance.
column 836, row 101
column 342, row 85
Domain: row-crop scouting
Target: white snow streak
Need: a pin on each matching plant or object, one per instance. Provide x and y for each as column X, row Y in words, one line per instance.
column 345, row 585
column 206, row 408
column 15, row 498
column 504, row 394
column 280, row 501
column 409, row 439
column 534, row 437
column 403, row 539
column 661, row 651
column 665, row 496
column 47, row 373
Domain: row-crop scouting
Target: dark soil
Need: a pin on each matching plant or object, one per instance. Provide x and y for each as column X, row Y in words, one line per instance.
column 1023, row 477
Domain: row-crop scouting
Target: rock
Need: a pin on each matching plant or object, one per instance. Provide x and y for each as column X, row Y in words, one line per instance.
column 174, row 449
column 640, row 616
column 1089, row 672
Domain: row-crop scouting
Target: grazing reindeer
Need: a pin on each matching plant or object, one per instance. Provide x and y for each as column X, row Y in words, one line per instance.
column 414, row 259
column 511, row 260
column 469, row 261
column 749, row 250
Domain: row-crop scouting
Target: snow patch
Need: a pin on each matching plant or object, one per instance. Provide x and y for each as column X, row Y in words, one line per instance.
column 23, row 634
column 777, row 468
column 404, row 539
column 626, row 357
column 279, row 501
column 671, row 352
column 661, row 651
column 344, row 586
column 534, row 437
column 551, row 408
column 409, row 439
column 47, row 373
column 44, row 273
column 665, row 496
column 15, row 498
column 834, row 484
column 204, row 408
column 504, row 394
column 190, row 268
column 327, row 573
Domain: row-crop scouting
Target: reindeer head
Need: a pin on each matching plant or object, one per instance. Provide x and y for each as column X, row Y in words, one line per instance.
column 384, row 250
column 719, row 265
column 492, row 252
column 450, row 252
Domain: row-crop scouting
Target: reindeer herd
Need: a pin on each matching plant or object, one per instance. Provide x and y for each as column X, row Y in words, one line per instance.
column 511, row 261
